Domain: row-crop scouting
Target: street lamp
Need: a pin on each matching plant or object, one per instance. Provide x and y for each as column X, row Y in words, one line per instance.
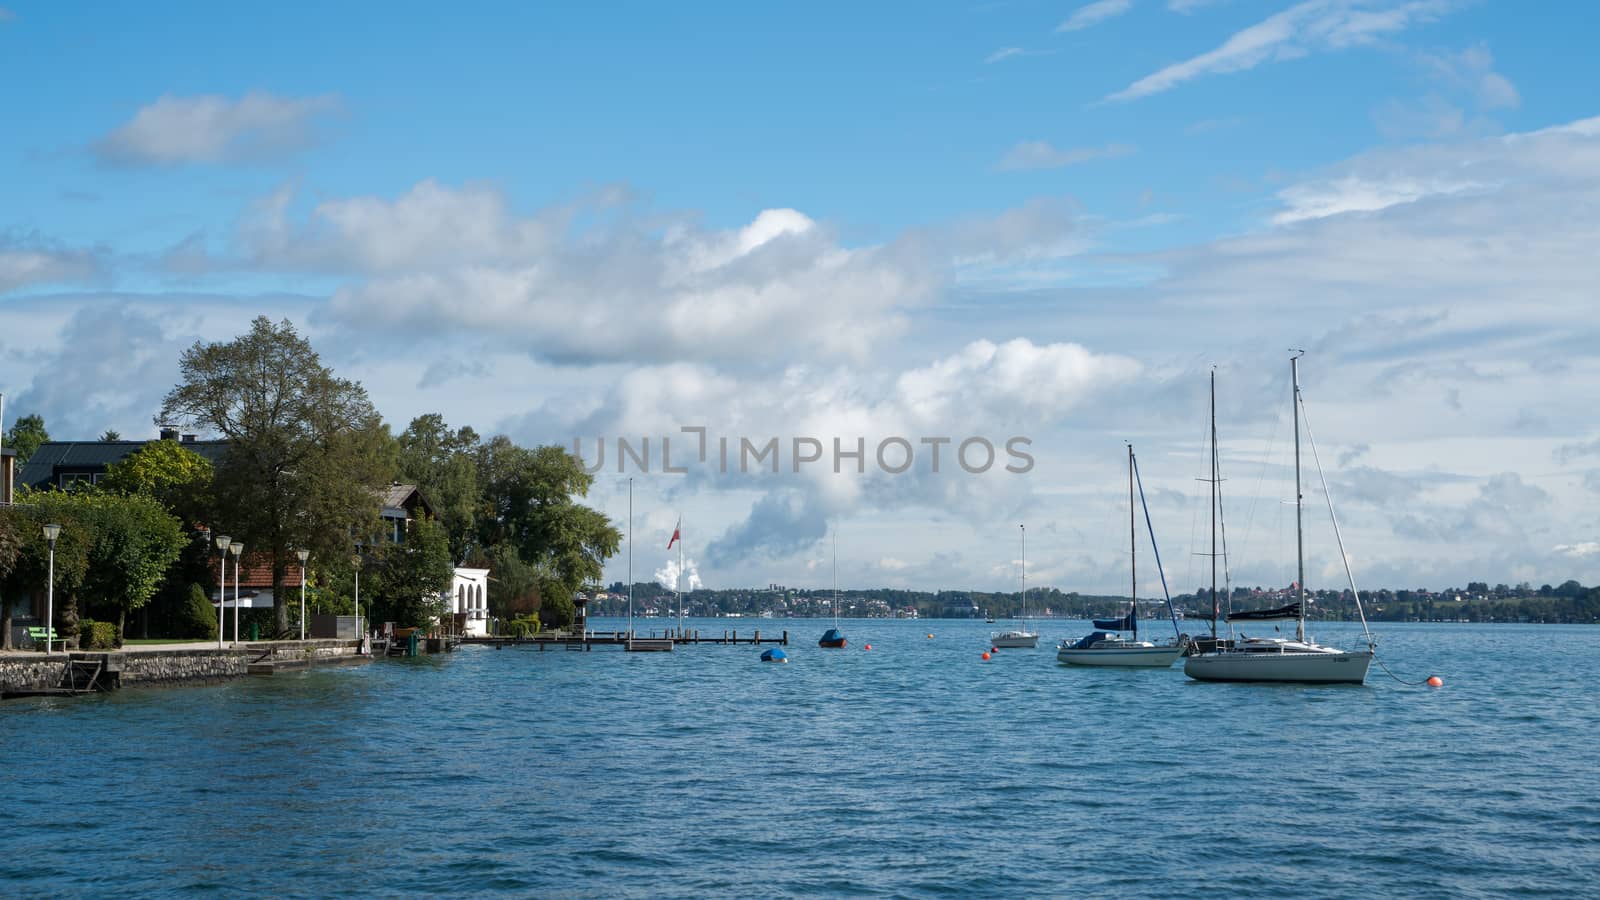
column 304, row 555
column 51, row 532
column 222, row 583
column 237, row 549
column 357, row 560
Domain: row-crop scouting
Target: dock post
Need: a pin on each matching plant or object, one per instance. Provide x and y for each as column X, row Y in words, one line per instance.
column 786, row 637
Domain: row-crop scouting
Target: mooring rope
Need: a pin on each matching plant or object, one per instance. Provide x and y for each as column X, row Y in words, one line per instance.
column 1394, row 676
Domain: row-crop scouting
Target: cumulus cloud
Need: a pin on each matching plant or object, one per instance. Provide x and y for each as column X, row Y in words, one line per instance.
column 1093, row 14
column 667, row 575
column 1309, row 27
column 210, row 128
column 598, row 278
column 1042, row 155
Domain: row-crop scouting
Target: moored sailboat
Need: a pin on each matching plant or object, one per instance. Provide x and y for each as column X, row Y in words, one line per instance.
column 1280, row 659
column 1019, row 638
column 1105, row 646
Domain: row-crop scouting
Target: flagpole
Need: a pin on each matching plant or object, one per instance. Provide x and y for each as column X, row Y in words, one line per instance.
column 680, row 574
column 630, row 559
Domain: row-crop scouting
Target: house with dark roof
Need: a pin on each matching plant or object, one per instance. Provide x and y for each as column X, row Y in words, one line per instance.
column 61, row 464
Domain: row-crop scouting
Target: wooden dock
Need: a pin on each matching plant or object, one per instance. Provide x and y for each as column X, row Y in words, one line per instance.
column 633, row 641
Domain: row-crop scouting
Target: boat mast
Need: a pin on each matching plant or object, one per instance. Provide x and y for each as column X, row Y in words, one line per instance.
column 1213, row 479
column 836, row 577
column 1133, row 552
column 1299, row 517
column 1024, row 576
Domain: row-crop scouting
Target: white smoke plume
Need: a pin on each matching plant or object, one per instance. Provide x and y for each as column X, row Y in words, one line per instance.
column 667, row 575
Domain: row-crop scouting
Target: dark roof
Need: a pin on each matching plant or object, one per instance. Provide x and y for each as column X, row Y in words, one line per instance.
column 55, row 457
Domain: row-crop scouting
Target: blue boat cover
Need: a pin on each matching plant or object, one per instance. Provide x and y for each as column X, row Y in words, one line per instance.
column 1292, row 611
column 1123, row 624
column 832, row 636
column 1088, row 640
column 773, row 655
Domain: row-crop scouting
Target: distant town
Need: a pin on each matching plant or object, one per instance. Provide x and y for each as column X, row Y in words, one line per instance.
column 1567, row 603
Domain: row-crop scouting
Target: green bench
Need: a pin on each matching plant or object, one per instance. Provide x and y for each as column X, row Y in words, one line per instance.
column 40, row 635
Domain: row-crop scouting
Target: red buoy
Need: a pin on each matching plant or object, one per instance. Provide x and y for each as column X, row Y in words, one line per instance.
column 867, row 647
column 986, row 656
column 1435, row 681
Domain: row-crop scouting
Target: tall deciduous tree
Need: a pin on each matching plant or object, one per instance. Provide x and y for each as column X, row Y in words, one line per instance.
column 529, row 502
column 307, row 452
column 441, row 462
column 169, row 473
column 25, row 436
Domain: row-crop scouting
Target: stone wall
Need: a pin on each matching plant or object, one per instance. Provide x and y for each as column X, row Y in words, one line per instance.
column 134, row 667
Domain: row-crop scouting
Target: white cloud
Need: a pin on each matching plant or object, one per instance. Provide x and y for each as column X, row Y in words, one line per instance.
column 1042, row 155
column 667, row 575
column 1308, row 27
column 211, row 128
column 1093, row 14
column 597, row 278
column 1003, row 54
column 25, row 263
column 1188, row 6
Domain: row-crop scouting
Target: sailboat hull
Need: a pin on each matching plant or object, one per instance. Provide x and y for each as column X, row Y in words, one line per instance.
column 1290, row 667
column 1015, row 640
column 1126, row 657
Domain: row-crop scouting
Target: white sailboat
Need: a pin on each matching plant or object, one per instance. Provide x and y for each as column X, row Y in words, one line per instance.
column 1105, row 646
column 1019, row 638
column 1280, row 659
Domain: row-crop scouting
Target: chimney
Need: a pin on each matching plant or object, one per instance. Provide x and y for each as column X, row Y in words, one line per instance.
column 168, row 433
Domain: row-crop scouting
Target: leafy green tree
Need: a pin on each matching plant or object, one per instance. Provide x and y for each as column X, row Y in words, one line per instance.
column 25, row 436
column 10, row 546
column 513, row 584
column 30, row 573
column 173, row 475
column 307, row 452
column 441, row 462
column 405, row 580
column 528, row 498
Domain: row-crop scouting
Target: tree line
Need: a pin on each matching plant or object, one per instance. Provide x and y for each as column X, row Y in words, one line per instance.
column 306, row 462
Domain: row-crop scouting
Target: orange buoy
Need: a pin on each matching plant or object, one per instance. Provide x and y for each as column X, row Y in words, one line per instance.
column 985, row 656
column 930, row 636
column 1435, row 681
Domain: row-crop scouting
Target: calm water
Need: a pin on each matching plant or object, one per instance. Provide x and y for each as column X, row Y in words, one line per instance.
column 912, row 769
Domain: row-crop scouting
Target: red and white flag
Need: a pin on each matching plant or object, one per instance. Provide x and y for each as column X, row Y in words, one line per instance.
column 676, row 529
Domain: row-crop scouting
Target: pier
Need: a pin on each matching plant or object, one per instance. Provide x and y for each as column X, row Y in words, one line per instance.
column 631, row 640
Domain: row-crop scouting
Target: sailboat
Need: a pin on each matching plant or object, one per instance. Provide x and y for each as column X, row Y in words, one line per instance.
column 833, row 638
column 1280, row 659
column 1019, row 638
column 1105, row 646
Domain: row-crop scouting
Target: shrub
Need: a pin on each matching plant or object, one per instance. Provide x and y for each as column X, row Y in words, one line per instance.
column 94, row 635
column 525, row 626
column 196, row 617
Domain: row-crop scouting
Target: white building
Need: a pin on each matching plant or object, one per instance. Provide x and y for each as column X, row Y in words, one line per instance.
column 469, row 601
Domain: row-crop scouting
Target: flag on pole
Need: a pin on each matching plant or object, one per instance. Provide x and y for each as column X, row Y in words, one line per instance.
column 675, row 533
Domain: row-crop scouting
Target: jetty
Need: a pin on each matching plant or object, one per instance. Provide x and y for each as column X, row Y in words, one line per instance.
column 630, row 640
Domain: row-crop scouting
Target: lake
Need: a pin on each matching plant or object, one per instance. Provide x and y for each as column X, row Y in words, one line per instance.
column 915, row 768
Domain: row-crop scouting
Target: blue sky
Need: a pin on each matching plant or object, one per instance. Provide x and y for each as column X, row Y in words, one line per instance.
column 1047, row 219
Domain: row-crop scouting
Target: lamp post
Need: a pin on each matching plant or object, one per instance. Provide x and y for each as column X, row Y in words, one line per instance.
column 304, row 555
column 237, row 549
column 357, row 560
column 222, row 583
column 51, row 532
